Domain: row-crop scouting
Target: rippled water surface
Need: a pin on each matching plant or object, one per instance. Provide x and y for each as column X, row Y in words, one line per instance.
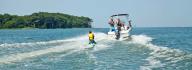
column 64, row 49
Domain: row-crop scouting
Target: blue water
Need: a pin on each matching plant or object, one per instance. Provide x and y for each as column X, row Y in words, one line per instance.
column 65, row 49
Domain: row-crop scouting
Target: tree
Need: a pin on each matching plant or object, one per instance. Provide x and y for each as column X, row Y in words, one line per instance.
column 44, row 20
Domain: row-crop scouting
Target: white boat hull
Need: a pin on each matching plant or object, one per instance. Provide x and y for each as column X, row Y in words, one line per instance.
column 124, row 34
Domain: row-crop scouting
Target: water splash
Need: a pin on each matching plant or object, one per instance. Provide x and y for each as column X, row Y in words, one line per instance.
column 75, row 44
column 160, row 56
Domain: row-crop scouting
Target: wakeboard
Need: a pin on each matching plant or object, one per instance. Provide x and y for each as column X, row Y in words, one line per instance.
column 90, row 46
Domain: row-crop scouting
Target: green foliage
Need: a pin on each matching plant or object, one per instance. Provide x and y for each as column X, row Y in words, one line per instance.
column 44, row 20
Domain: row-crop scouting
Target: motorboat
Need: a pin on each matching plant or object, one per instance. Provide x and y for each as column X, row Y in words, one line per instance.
column 119, row 29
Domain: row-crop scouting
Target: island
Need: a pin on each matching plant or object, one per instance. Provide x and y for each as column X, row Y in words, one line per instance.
column 44, row 20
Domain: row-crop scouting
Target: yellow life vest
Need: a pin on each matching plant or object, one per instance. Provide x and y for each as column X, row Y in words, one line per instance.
column 91, row 36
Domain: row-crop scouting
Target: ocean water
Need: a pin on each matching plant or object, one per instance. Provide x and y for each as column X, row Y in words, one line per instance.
column 64, row 49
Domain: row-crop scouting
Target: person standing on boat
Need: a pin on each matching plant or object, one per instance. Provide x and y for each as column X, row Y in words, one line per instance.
column 91, row 38
column 118, row 29
column 111, row 23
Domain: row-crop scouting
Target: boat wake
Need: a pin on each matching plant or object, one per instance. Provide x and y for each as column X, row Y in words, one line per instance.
column 41, row 48
column 161, row 57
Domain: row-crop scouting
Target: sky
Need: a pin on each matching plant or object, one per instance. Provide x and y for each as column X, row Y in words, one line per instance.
column 143, row 13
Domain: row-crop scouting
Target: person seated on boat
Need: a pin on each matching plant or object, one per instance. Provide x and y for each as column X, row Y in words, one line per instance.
column 111, row 23
column 91, row 38
column 122, row 25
